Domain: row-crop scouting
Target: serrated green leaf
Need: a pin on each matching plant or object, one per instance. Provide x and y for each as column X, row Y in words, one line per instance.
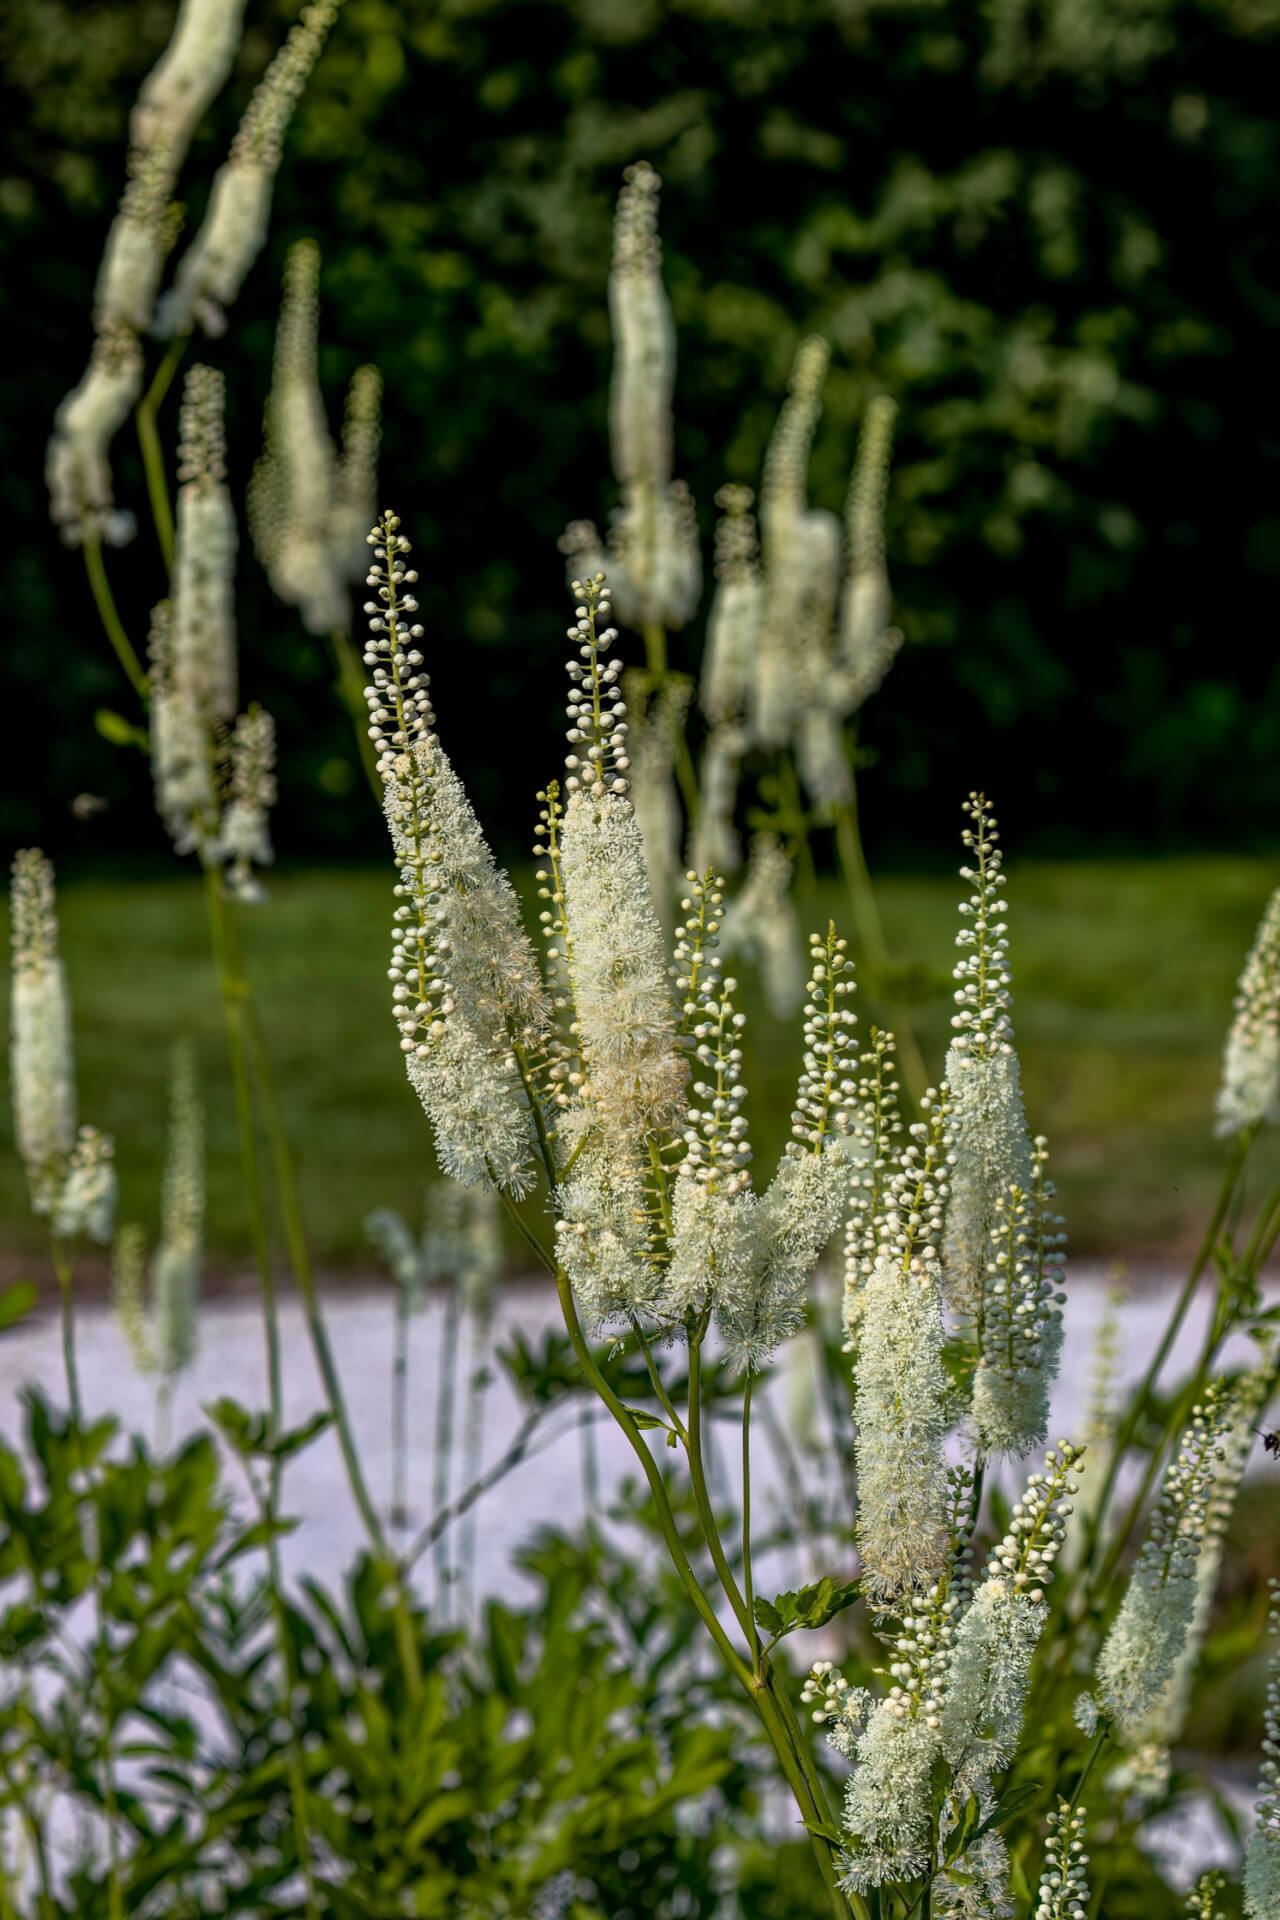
column 644, row 1420
column 119, row 731
column 768, row 1617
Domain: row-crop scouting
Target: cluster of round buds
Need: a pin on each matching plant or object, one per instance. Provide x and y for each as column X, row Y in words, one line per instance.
column 1064, row 1887
column 876, row 1123
column 916, row 1200
column 1178, row 1523
column 636, row 245
column 827, row 1091
column 202, row 440
column 825, row 1684
column 1262, row 1850
column 716, row 1151
column 1038, row 1525
column 399, row 703
column 982, row 976
column 921, row 1650
column 1202, row 1901
column 597, row 711
column 1020, row 1292
column 550, row 881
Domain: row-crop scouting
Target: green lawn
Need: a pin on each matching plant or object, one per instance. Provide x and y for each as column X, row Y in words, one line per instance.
column 1123, row 975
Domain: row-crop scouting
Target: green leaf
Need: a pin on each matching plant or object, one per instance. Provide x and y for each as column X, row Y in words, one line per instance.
column 963, row 1832
column 16, row 1301
column 768, row 1617
column 299, row 1437
column 644, row 1420
column 1010, row 1803
column 119, row 731
column 831, row 1834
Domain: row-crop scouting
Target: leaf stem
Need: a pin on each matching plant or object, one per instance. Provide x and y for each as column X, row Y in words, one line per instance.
column 111, row 621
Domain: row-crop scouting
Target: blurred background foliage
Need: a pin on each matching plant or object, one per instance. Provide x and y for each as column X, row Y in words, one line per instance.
column 1046, row 226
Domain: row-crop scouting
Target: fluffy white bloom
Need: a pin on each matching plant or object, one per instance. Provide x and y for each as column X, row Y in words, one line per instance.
column 866, row 643
column 1262, row 1849
column 900, row 1409
column 465, row 987
column 1064, row 1887
column 213, row 269
column 801, row 549
column 653, row 749
column 189, row 73
column 716, row 1249
column 41, row 1057
column 805, row 1201
column 128, row 1294
column 244, row 837
column 203, row 645
column 888, row 1801
column 989, row 1129
column 1167, row 1717
column 991, row 1655
column 644, row 360
column 86, row 1202
column 175, row 1269
column 1021, row 1324
column 604, row 1236
column 714, row 841
column 77, row 467
column 655, row 565
column 1250, row 1088
column 762, row 923
column 181, row 751
column 821, row 755
column 733, row 622
column 1140, row 1654
column 309, row 511
column 979, row 1889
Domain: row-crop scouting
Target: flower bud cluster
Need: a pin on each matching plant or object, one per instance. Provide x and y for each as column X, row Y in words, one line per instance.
column 1250, row 1087
column 465, row 987
column 877, row 1123
column 77, row 464
column 1021, row 1334
column 1038, row 1525
column 982, row 975
column 825, row 1094
column 716, row 1149
column 598, row 761
column 175, row 1270
column 1064, row 1885
column 204, row 633
column 244, row 836
column 915, row 1200
column 733, row 622
column 653, row 795
column 1203, row 1899
column 1262, row 1848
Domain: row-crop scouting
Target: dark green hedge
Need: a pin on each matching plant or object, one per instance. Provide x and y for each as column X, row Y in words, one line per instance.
column 1049, row 229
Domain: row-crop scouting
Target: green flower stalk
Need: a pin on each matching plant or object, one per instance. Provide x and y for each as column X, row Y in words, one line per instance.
column 1020, row 1336
column 1064, row 1884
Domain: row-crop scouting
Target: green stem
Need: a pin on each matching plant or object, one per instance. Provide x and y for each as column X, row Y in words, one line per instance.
column 472, row 1450
column 111, row 621
column 351, row 685
column 234, row 998
column 152, row 455
column 702, row 1499
column 400, row 1413
column 62, row 1267
column 748, row 1583
column 1137, row 1406
column 791, row 805
column 297, row 1777
column 655, row 652
column 445, row 1393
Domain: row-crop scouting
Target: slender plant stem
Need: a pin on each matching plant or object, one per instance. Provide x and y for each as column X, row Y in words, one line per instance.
column 62, row 1267
column 748, row 1584
column 446, row 1396
column 22, row 1801
column 234, row 998
column 514, row 1454
column 1129, row 1425
column 472, row 1451
column 111, row 621
column 791, row 805
column 149, row 441
column 351, row 685
column 702, row 1499
column 400, row 1413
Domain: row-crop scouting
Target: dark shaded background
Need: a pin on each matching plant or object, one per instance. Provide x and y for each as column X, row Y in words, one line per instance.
column 1047, row 229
